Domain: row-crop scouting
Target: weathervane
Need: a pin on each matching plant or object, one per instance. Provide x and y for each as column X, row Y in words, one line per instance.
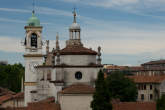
column 74, row 14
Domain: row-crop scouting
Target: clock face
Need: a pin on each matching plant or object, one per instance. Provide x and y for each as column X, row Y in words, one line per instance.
column 32, row 66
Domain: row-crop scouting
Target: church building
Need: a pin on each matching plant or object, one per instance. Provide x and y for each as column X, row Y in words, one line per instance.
column 67, row 74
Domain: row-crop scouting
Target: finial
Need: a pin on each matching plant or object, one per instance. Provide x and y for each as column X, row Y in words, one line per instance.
column 47, row 46
column 74, row 14
column 57, row 36
column 99, row 56
column 57, row 42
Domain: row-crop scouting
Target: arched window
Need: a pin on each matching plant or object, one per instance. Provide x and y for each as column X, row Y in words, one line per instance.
column 34, row 40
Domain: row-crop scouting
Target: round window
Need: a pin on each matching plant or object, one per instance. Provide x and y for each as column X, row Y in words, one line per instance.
column 78, row 75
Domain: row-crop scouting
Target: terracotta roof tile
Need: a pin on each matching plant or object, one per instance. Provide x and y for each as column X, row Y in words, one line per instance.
column 19, row 95
column 44, row 106
column 48, row 100
column 77, row 50
column 134, row 106
column 115, row 67
column 5, row 98
column 18, row 108
column 155, row 62
column 78, row 89
column 147, row 79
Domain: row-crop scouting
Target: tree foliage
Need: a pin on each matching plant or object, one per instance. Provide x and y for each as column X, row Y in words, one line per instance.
column 161, row 103
column 101, row 99
column 11, row 76
column 121, row 87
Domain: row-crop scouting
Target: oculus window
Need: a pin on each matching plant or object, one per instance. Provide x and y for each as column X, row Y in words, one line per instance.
column 78, row 75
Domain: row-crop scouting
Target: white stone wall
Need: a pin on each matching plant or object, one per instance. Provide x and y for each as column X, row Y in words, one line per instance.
column 30, row 73
column 78, row 59
column 75, row 102
column 27, row 96
column 30, row 76
column 88, row 75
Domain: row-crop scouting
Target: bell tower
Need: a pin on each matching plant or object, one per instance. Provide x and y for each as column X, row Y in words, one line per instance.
column 33, row 56
column 33, row 40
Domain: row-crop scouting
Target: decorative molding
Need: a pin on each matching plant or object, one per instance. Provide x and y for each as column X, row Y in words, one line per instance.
column 30, row 83
column 33, row 55
column 70, row 66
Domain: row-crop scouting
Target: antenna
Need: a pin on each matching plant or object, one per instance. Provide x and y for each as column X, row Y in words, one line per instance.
column 33, row 6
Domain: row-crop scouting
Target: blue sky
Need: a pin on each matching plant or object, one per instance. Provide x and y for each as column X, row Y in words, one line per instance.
column 130, row 32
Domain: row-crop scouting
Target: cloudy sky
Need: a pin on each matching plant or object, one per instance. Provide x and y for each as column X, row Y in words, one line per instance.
column 130, row 32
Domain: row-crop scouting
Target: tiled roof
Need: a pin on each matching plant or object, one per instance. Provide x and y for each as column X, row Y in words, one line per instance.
column 48, row 100
column 18, row 108
column 134, row 106
column 38, row 106
column 77, row 50
column 147, row 79
column 155, row 62
column 115, row 67
column 44, row 106
column 78, row 89
column 5, row 98
column 19, row 95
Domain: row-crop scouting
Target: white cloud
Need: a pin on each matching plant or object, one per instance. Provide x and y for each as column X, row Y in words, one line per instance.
column 15, row 10
column 138, row 7
column 52, row 11
column 12, row 20
column 40, row 10
column 125, row 42
column 10, row 44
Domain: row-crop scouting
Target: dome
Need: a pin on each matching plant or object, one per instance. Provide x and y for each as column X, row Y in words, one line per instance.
column 74, row 26
column 33, row 21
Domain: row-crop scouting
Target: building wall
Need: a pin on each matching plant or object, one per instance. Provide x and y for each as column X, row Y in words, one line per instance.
column 147, row 91
column 162, row 88
column 28, row 95
column 88, row 75
column 31, row 76
column 75, row 102
column 78, row 59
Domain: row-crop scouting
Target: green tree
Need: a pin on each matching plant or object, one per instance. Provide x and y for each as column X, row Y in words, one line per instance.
column 101, row 99
column 161, row 103
column 121, row 87
column 11, row 76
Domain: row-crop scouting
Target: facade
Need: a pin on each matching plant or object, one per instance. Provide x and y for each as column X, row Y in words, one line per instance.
column 149, row 78
column 150, row 88
column 151, row 68
column 59, row 69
